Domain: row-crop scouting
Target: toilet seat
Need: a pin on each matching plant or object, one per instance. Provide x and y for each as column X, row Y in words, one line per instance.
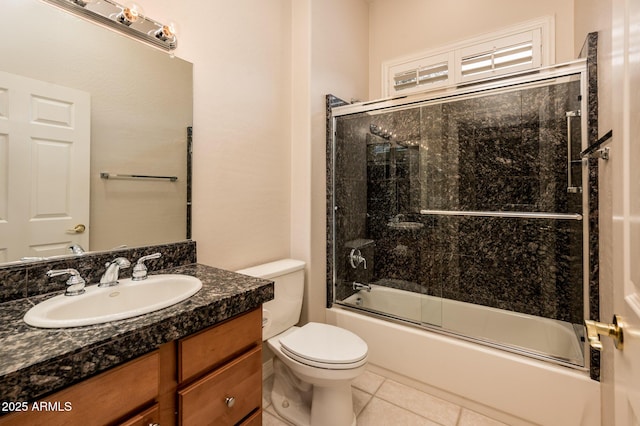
column 325, row 346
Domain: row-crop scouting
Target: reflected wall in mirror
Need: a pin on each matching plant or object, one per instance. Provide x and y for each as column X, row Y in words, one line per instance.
column 141, row 104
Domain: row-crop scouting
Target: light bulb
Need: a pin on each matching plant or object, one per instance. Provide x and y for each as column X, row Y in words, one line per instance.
column 131, row 12
column 84, row 3
column 167, row 32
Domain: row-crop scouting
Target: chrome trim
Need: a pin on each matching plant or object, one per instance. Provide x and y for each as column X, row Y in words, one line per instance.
column 526, row 215
column 505, row 82
column 106, row 12
column 107, row 175
column 570, row 188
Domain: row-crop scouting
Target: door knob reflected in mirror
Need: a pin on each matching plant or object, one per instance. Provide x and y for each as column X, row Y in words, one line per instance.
column 78, row 229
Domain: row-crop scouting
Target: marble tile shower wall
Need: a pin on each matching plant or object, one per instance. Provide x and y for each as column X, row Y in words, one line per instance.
column 502, row 152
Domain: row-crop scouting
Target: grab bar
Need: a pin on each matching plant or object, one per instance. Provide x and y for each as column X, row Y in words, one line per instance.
column 526, row 215
column 595, row 147
column 107, row 175
column 570, row 188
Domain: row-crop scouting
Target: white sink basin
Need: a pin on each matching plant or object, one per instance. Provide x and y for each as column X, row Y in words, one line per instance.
column 125, row 300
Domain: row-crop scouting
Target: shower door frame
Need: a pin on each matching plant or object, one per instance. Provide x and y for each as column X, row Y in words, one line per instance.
column 498, row 85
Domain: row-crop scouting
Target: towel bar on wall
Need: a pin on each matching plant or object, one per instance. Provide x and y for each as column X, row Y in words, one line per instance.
column 107, row 175
column 526, row 215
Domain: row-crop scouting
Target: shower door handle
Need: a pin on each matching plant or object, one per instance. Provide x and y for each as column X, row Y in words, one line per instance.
column 570, row 188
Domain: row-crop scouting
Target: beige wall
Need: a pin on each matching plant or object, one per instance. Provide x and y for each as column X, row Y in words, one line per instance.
column 242, row 126
column 403, row 27
column 339, row 65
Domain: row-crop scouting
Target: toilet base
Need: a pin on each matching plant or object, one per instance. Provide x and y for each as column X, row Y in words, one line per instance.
column 304, row 404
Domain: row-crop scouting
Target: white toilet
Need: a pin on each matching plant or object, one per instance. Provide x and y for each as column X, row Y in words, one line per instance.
column 314, row 364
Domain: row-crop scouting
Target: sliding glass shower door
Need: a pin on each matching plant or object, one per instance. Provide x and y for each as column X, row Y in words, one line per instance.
column 467, row 211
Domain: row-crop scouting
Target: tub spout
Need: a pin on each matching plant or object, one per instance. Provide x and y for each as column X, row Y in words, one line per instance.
column 358, row 286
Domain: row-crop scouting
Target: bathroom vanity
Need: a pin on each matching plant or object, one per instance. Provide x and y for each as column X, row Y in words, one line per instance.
column 195, row 362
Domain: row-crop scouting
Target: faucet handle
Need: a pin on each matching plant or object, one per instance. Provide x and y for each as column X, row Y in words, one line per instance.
column 75, row 283
column 121, row 262
column 140, row 269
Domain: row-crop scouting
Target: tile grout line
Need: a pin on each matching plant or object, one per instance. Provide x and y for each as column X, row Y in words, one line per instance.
column 370, row 399
column 407, row 409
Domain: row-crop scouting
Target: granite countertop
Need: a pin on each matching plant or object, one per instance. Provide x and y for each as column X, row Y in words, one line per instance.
column 35, row 362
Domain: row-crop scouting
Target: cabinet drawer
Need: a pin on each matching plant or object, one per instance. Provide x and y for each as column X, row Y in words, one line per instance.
column 100, row 400
column 207, row 349
column 145, row 418
column 254, row 420
column 204, row 402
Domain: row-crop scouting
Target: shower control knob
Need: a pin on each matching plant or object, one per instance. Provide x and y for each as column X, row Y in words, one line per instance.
column 230, row 401
column 356, row 258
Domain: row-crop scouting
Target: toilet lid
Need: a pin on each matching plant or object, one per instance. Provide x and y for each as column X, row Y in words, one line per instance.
column 324, row 343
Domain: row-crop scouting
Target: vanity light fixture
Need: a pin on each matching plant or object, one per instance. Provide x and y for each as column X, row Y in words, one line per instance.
column 128, row 19
column 131, row 12
column 167, row 32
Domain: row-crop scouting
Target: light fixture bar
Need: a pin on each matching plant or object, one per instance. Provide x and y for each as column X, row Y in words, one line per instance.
column 109, row 13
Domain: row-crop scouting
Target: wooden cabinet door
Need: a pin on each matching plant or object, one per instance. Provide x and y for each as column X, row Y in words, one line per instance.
column 101, row 400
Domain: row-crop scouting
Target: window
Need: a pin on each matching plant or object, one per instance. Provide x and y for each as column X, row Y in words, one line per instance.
column 421, row 74
column 526, row 46
column 500, row 56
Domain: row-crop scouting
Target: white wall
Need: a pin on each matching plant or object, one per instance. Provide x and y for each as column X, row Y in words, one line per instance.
column 339, row 66
column 403, row 27
column 242, row 132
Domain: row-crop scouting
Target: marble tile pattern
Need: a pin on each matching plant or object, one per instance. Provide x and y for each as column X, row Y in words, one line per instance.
column 331, row 102
column 590, row 52
column 28, row 279
column 504, row 152
column 35, row 362
column 487, row 156
column 189, row 180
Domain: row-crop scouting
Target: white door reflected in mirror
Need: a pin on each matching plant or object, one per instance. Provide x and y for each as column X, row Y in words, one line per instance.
column 45, row 150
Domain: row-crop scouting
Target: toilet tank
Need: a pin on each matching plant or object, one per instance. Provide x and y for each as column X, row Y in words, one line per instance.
column 283, row 312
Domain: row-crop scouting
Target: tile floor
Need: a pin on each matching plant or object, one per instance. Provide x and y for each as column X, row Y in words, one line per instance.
column 380, row 401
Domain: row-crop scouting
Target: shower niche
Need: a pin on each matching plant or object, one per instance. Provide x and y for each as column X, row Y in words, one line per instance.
column 472, row 206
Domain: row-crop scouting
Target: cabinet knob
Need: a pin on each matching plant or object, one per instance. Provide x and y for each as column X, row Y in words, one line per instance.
column 230, row 401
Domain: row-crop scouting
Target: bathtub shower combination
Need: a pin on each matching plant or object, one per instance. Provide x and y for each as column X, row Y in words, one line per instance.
column 464, row 212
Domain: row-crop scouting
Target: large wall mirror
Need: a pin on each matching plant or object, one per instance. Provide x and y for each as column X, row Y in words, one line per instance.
column 140, row 107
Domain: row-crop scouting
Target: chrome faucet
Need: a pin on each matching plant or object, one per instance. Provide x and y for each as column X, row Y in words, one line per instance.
column 75, row 283
column 76, row 249
column 140, row 269
column 110, row 276
column 358, row 286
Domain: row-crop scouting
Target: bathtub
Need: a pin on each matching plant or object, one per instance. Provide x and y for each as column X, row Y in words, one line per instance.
column 523, row 388
column 539, row 337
